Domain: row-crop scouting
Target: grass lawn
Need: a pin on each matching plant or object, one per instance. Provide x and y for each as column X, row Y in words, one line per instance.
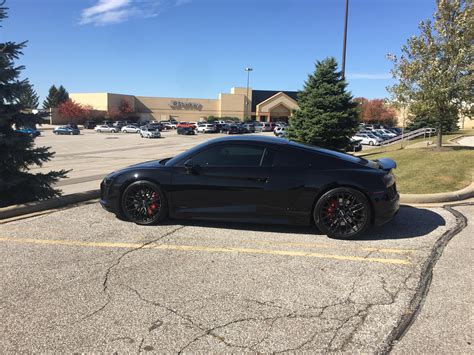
column 426, row 170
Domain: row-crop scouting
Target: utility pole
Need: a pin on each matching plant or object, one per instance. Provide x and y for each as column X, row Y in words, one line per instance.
column 345, row 42
column 247, row 101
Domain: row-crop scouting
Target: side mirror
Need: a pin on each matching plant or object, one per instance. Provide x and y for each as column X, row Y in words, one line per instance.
column 189, row 166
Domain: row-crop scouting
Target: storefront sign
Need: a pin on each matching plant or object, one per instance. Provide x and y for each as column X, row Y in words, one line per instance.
column 180, row 105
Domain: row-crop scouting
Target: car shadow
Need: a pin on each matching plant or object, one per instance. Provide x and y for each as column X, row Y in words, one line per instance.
column 410, row 222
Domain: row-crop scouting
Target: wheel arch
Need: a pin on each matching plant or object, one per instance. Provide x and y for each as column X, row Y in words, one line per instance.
column 130, row 181
column 337, row 185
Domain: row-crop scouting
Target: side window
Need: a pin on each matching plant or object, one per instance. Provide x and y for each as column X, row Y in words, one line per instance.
column 297, row 158
column 230, row 155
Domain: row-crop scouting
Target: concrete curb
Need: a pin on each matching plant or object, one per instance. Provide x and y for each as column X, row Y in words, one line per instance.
column 458, row 195
column 32, row 207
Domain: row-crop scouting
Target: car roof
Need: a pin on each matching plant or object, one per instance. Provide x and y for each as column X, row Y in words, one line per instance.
column 258, row 139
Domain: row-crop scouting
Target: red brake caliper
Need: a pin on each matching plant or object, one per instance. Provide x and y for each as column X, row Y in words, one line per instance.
column 153, row 206
column 330, row 210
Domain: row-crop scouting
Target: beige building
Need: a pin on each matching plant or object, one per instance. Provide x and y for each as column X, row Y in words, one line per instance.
column 262, row 105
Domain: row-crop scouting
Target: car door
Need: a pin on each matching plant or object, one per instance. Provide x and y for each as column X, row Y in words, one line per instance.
column 227, row 181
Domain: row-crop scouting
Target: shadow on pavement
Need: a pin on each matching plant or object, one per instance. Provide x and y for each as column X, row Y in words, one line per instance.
column 410, row 222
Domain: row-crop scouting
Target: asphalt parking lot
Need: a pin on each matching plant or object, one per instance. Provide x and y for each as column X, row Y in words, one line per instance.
column 80, row 280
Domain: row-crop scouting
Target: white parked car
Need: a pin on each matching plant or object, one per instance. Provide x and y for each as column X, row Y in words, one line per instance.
column 149, row 132
column 104, row 128
column 206, row 128
column 368, row 139
column 130, row 129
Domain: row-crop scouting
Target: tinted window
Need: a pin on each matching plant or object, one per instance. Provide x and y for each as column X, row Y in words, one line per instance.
column 294, row 158
column 230, row 155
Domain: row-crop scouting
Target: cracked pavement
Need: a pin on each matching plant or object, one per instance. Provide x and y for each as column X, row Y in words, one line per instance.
column 80, row 280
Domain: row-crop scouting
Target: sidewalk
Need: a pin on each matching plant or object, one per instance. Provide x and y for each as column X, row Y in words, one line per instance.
column 445, row 323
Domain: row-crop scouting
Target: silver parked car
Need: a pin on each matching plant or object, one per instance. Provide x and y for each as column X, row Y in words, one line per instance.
column 130, row 129
column 104, row 128
column 149, row 132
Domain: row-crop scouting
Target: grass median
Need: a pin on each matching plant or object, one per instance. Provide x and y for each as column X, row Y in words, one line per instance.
column 426, row 170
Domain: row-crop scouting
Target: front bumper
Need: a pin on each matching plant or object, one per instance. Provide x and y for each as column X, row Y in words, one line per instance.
column 108, row 198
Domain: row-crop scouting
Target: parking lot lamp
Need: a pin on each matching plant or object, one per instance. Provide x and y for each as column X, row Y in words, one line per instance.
column 248, row 70
column 345, row 42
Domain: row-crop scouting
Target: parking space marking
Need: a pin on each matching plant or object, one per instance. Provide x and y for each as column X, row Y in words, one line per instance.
column 331, row 246
column 205, row 249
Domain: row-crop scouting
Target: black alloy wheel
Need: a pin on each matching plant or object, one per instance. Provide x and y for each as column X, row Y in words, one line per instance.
column 144, row 203
column 343, row 213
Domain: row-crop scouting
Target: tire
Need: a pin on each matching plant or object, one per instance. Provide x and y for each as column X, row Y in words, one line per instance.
column 56, row 133
column 371, row 143
column 70, row 133
column 343, row 213
column 99, row 131
column 143, row 203
column 113, row 131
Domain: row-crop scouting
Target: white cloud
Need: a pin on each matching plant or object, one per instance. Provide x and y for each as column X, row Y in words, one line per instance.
column 107, row 12
column 368, row 76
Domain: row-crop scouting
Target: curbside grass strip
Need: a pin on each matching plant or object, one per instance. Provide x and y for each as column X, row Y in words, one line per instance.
column 458, row 195
column 61, row 201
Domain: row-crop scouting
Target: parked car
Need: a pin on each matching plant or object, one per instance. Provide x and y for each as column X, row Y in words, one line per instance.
column 354, row 146
column 280, row 131
column 186, row 124
column 105, row 128
column 168, row 125
column 308, row 177
column 267, row 127
column 206, row 128
column 130, row 129
column 89, row 124
column 368, row 139
column 108, row 123
column 119, row 124
column 186, row 130
column 156, row 125
column 385, row 132
column 149, row 132
column 250, row 127
column 66, row 130
column 28, row 131
column 230, row 129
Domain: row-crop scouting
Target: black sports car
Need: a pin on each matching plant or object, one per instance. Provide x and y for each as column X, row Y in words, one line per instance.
column 260, row 179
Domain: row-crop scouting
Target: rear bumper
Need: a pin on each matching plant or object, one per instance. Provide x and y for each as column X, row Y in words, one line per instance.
column 386, row 209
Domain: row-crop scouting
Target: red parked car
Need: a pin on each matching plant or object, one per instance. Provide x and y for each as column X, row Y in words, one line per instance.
column 186, row 125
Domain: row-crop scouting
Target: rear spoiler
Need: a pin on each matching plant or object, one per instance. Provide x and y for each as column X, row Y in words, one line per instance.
column 386, row 164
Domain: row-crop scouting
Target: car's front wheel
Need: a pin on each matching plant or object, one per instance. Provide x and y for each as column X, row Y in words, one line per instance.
column 342, row 213
column 144, row 203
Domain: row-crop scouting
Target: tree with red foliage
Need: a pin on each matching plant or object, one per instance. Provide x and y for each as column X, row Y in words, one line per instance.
column 125, row 108
column 73, row 111
column 376, row 111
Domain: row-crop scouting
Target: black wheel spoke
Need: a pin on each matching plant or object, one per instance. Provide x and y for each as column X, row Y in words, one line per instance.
column 141, row 203
column 343, row 213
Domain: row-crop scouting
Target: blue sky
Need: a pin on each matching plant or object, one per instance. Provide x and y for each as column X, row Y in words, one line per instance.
column 198, row 48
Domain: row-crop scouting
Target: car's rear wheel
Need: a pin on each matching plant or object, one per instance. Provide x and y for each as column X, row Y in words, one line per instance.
column 144, row 203
column 371, row 143
column 342, row 213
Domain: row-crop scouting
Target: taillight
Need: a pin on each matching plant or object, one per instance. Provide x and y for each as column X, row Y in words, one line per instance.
column 389, row 179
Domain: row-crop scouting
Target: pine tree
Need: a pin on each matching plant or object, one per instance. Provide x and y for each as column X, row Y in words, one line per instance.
column 17, row 151
column 327, row 115
column 29, row 98
column 62, row 95
column 51, row 100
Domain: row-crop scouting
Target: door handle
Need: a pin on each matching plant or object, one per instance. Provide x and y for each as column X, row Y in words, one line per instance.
column 262, row 179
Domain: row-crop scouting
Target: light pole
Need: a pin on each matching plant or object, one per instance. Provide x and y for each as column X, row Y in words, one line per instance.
column 248, row 70
column 344, row 43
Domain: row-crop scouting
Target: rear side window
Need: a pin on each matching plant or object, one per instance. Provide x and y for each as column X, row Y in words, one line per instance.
column 296, row 158
column 230, row 155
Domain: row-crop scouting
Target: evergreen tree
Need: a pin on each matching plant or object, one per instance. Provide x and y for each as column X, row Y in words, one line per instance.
column 17, row 151
column 62, row 95
column 327, row 115
column 51, row 100
column 29, row 98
